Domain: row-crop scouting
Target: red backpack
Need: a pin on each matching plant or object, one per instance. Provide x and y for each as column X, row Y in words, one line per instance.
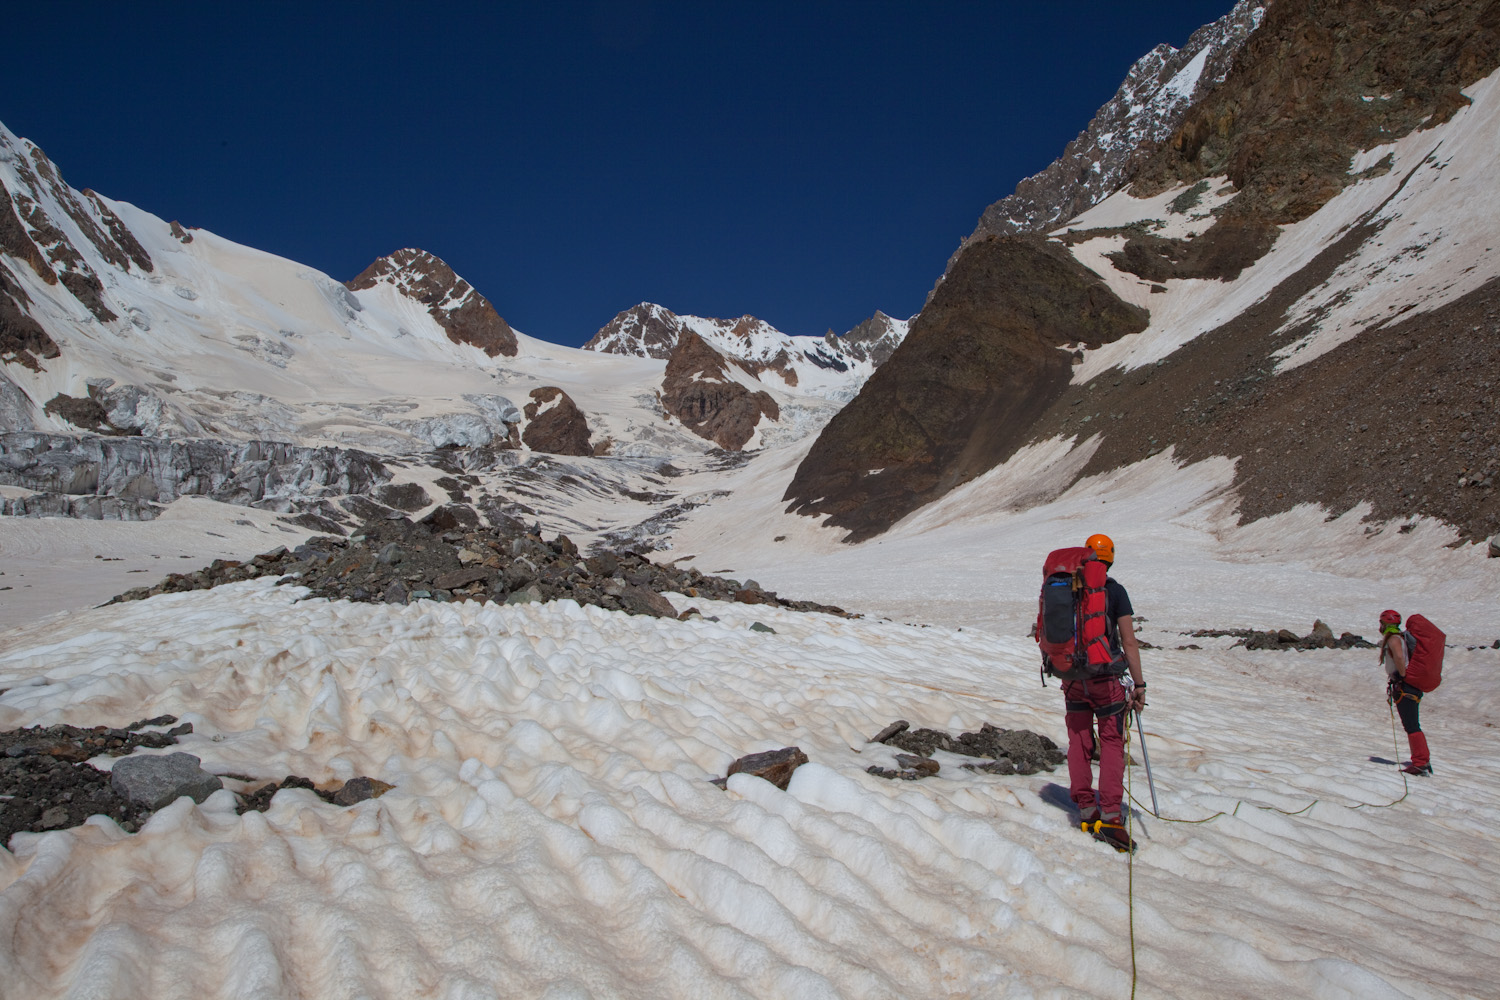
column 1071, row 626
column 1424, row 661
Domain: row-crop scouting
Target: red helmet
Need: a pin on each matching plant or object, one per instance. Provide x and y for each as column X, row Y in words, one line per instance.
column 1390, row 618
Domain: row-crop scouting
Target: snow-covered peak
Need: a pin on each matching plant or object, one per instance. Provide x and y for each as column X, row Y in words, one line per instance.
column 830, row 366
column 466, row 315
column 645, row 330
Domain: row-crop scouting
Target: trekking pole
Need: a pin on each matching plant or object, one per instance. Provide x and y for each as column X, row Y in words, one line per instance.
column 1146, row 759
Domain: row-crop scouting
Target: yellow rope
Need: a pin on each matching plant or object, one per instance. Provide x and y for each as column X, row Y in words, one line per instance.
column 1405, row 786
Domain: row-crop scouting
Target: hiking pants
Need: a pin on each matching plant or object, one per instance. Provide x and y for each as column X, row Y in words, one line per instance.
column 1101, row 698
column 1408, row 706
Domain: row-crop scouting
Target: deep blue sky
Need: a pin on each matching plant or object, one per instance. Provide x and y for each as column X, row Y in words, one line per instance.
column 806, row 163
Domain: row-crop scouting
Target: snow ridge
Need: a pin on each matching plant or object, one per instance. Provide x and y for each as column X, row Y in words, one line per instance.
column 830, row 366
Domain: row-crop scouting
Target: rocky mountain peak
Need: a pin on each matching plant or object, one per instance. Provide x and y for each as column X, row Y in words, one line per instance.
column 466, row 315
column 872, row 340
column 645, row 330
column 63, row 235
column 1151, row 103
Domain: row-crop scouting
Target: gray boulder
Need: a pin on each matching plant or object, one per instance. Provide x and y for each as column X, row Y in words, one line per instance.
column 156, row 781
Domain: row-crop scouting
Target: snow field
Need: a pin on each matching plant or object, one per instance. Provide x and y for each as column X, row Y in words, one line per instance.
column 972, row 558
column 552, row 831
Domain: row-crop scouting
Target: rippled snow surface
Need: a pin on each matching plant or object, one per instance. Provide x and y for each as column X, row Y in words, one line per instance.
column 553, row 833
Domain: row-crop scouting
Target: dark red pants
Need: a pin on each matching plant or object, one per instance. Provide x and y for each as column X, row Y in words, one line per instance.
column 1408, row 706
column 1101, row 699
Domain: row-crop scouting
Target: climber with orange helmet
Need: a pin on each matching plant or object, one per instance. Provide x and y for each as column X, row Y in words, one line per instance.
column 1106, row 699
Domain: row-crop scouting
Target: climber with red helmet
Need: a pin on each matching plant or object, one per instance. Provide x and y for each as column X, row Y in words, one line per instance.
column 1105, row 699
column 1396, row 648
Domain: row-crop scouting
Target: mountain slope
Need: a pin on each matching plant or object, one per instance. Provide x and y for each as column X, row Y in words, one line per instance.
column 1149, row 106
column 1365, row 254
column 954, row 398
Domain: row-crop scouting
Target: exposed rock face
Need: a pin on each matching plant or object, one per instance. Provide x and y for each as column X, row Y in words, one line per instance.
column 22, row 338
column 1148, row 107
column 555, row 424
column 699, row 390
column 960, row 394
column 646, row 330
column 1318, row 81
column 36, row 210
column 140, row 471
column 85, row 413
column 466, row 315
column 1400, row 418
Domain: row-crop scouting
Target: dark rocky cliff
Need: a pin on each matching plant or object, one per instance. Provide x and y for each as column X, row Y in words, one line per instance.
column 983, row 359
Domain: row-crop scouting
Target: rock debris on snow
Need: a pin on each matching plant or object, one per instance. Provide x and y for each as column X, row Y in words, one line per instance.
column 397, row 561
column 1010, row 751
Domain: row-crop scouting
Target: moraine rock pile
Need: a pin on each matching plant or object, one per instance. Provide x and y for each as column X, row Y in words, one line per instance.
column 1321, row 637
column 396, row 561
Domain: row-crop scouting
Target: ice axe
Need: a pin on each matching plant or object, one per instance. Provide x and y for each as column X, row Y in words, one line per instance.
column 1146, row 759
column 1129, row 685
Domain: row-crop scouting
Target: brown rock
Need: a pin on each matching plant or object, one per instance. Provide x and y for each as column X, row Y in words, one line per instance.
column 642, row 601
column 460, row 577
column 85, row 413
column 410, row 497
column 924, row 766
column 899, row 726
column 776, row 766
column 698, row 391
column 555, row 424
column 66, row 751
column 466, row 316
column 359, row 789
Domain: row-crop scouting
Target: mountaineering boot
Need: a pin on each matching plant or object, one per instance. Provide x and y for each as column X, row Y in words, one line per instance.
column 1412, row 767
column 1111, row 833
column 1087, row 818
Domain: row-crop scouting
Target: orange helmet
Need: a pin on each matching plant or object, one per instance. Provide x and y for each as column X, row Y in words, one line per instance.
column 1103, row 548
